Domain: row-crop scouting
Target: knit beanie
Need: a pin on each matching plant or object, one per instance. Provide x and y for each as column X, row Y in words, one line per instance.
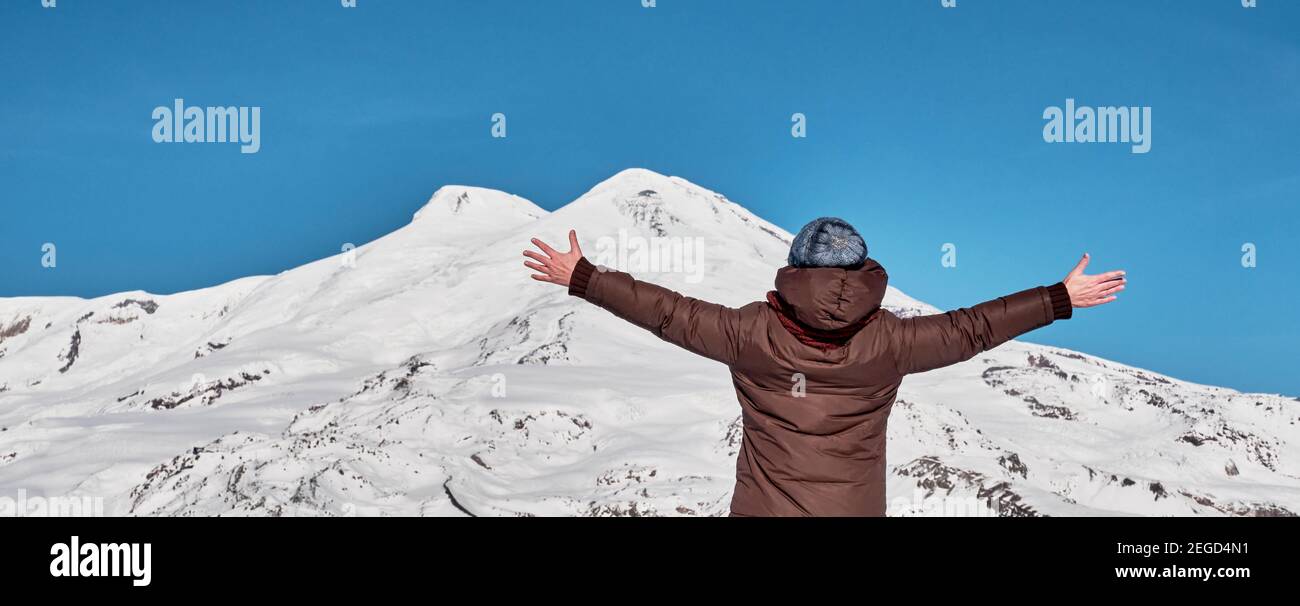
column 827, row 242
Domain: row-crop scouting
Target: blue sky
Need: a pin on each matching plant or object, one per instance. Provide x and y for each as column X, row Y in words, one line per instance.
column 924, row 127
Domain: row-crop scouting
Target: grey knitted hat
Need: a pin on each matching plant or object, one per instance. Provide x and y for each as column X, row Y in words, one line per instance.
column 828, row 242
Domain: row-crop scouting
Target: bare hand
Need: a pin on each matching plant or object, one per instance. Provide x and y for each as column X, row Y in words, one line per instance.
column 1091, row 291
column 555, row 267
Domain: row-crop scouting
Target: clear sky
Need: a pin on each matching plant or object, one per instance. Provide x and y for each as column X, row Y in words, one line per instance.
column 925, row 127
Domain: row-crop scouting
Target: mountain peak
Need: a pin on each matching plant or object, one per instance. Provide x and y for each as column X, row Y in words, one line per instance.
column 642, row 182
column 635, row 174
column 463, row 200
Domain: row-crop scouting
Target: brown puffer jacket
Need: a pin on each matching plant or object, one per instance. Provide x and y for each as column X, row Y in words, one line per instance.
column 819, row 450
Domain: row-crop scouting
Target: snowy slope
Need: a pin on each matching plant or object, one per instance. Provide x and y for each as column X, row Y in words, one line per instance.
column 426, row 374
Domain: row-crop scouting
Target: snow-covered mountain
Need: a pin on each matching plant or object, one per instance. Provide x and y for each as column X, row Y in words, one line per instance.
column 425, row 373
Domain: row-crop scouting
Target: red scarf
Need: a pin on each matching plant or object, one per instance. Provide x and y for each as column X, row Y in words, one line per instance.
column 821, row 339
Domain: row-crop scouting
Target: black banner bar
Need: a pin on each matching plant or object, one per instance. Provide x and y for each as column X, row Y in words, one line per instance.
column 320, row 556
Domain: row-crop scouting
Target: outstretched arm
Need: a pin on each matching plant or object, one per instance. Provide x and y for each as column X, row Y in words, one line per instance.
column 928, row 342
column 708, row 329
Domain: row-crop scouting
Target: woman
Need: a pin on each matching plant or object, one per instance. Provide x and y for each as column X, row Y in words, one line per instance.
column 818, row 364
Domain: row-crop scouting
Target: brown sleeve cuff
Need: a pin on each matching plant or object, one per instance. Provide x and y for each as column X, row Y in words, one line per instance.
column 581, row 278
column 1061, row 308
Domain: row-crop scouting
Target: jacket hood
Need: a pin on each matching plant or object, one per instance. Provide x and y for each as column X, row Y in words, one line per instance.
column 832, row 298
